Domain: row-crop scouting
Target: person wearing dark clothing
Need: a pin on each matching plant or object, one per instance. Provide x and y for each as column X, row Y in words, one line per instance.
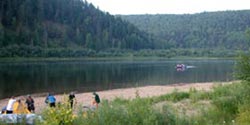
column 51, row 100
column 71, row 99
column 96, row 99
column 30, row 104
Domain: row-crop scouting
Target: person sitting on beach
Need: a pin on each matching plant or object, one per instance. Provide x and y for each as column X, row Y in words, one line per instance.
column 51, row 100
column 9, row 108
column 20, row 108
column 30, row 104
column 96, row 99
column 71, row 99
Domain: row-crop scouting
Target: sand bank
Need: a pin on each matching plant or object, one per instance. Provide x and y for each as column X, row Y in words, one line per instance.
column 127, row 93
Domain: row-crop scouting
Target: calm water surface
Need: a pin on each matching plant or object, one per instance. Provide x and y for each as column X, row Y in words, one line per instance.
column 84, row 76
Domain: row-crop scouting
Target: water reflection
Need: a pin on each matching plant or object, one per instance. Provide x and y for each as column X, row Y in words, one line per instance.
column 83, row 76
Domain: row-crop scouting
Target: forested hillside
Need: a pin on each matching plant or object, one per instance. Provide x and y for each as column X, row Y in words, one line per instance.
column 63, row 28
column 209, row 30
column 76, row 28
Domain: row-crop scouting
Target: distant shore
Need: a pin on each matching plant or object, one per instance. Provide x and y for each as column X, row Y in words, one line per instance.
column 55, row 59
column 126, row 93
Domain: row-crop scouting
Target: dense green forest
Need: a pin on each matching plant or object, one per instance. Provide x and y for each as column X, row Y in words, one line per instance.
column 76, row 27
column 209, row 30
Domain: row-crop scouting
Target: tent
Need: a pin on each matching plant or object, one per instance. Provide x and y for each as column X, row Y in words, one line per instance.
column 20, row 108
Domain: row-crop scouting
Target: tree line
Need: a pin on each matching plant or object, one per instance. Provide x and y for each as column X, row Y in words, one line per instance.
column 29, row 27
column 76, row 28
column 208, row 30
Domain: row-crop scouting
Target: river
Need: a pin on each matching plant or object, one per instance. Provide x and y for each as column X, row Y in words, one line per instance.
column 93, row 75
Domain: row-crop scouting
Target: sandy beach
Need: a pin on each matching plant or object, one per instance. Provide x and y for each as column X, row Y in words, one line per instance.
column 127, row 93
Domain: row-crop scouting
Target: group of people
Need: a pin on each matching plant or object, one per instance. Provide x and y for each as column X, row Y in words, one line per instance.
column 16, row 106
column 51, row 100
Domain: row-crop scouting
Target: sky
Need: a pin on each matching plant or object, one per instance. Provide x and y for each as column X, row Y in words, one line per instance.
column 126, row 7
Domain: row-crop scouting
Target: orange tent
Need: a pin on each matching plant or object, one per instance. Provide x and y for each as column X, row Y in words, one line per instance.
column 20, row 108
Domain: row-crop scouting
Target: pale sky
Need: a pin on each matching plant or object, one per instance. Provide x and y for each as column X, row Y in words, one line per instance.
column 168, row 6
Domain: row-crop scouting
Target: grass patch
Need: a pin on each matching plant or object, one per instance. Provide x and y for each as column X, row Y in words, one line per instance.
column 174, row 96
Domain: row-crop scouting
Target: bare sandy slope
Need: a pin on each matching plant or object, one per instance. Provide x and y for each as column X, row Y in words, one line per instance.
column 127, row 93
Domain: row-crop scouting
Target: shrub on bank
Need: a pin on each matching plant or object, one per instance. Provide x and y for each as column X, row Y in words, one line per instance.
column 135, row 112
column 62, row 114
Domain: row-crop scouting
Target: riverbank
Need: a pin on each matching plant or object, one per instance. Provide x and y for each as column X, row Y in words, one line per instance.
column 127, row 93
